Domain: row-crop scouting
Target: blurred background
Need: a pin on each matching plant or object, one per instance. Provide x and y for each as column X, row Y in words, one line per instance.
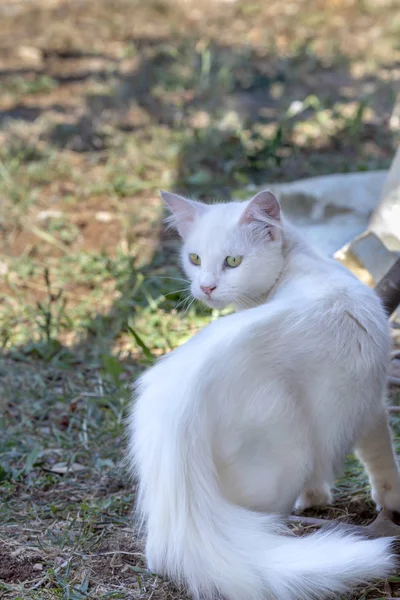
column 103, row 103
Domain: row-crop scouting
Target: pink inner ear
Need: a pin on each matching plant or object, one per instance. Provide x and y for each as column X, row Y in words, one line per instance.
column 184, row 212
column 262, row 207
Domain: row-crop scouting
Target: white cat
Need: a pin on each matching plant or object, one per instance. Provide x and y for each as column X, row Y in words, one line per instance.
column 258, row 410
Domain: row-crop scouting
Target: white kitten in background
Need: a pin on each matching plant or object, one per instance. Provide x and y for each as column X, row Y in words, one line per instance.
column 257, row 412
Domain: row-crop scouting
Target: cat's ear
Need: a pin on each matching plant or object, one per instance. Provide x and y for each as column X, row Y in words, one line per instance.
column 183, row 212
column 263, row 207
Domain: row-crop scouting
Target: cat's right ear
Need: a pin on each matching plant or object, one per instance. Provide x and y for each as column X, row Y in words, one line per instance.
column 183, row 212
column 263, row 207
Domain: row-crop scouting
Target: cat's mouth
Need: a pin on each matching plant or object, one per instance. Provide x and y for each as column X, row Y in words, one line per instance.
column 211, row 301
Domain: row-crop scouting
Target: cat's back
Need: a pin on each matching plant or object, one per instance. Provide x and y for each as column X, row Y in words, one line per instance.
column 329, row 291
column 331, row 316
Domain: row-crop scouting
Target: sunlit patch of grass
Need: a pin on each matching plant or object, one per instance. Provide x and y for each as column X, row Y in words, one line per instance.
column 148, row 300
column 19, row 86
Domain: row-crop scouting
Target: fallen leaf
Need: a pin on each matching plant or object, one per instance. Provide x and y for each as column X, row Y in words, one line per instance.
column 62, row 467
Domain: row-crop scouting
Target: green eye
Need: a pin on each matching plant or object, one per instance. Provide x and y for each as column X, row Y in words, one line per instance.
column 233, row 261
column 195, row 259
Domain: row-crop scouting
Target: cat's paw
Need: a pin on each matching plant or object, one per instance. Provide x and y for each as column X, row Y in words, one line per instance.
column 320, row 496
column 386, row 494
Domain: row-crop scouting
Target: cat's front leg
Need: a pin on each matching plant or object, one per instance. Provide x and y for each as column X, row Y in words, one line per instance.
column 375, row 450
column 314, row 494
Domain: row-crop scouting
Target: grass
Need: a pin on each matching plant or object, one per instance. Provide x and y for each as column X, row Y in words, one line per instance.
column 98, row 110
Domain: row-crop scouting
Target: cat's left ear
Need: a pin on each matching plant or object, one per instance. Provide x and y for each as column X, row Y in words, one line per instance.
column 263, row 207
column 184, row 212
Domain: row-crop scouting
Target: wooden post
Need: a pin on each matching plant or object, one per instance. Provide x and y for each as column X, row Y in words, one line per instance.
column 388, row 289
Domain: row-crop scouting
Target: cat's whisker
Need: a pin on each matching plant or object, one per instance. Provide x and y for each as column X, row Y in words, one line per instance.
column 190, row 305
column 248, row 296
column 183, row 302
column 243, row 300
column 177, row 291
column 173, row 278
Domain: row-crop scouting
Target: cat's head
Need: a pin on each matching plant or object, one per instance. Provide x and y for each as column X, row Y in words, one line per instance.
column 231, row 252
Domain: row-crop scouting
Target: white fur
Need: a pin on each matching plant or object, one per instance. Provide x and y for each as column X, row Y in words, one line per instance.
column 258, row 410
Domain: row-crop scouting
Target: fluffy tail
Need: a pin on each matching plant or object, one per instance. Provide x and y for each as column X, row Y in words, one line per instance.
column 196, row 537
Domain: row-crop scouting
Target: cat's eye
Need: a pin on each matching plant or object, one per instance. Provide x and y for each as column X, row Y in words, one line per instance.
column 233, row 261
column 195, row 259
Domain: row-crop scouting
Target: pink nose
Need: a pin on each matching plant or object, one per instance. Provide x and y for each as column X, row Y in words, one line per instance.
column 207, row 290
